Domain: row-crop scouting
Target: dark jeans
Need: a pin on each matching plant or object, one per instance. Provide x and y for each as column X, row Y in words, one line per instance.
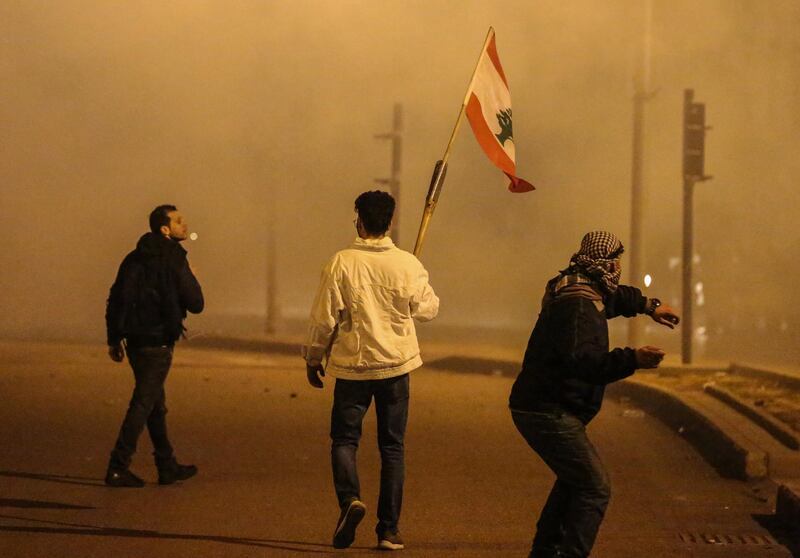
column 147, row 407
column 351, row 399
column 577, row 503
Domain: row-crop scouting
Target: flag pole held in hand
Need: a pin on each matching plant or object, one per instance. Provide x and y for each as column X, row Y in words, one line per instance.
column 437, row 181
column 439, row 171
column 487, row 105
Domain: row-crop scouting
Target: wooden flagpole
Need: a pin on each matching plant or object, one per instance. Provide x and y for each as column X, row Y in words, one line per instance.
column 440, row 169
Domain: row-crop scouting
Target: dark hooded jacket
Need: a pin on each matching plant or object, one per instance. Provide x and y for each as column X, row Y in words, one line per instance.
column 153, row 290
column 568, row 363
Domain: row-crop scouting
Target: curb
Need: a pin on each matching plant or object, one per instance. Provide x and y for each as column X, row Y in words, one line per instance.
column 492, row 367
column 246, row 344
column 731, row 454
column 781, row 433
column 784, row 378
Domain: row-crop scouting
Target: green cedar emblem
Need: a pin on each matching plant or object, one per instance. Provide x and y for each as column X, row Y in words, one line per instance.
column 504, row 119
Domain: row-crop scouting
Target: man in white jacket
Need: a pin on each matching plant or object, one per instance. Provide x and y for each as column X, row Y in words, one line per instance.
column 363, row 322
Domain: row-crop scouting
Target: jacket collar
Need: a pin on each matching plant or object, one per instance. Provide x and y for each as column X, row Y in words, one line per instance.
column 373, row 244
column 154, row 244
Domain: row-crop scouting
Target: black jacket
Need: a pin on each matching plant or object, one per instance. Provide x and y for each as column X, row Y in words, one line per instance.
column 567, row 363
column 151, row 294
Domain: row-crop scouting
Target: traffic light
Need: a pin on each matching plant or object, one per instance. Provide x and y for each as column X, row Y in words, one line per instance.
column 694, row 137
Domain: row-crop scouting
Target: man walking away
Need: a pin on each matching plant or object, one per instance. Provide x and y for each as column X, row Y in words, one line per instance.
column 560, row 388
column 145, row 311
column 363, row 321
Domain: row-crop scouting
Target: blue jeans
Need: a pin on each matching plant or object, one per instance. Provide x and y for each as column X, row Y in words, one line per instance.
column 351, row 399
column 147, row 408
column 570, row 519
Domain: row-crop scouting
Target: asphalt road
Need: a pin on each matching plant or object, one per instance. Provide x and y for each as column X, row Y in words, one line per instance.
column 259, row 435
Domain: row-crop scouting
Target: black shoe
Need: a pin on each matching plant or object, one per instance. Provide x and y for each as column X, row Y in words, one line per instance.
column 390, row 540
column 351, row 516
column 176, row 472
column 123, row 478
column 546, row 553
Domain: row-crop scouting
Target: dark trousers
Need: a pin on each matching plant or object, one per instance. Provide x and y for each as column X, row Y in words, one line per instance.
column 147, row 407
column 577, row 503
column 351, row 399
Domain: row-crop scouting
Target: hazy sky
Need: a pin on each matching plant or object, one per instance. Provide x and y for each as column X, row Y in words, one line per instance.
column 242, row 111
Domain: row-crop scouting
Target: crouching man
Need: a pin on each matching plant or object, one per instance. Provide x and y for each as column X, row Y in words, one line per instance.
column 560, row 388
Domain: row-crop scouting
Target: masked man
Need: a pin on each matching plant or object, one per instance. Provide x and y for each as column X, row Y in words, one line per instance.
column 560, row 389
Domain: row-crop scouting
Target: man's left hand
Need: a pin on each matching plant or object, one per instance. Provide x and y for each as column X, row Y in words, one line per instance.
column 666, row 316
column 116, row 352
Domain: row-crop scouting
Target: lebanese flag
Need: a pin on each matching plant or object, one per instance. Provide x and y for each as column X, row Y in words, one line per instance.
column 489, row 114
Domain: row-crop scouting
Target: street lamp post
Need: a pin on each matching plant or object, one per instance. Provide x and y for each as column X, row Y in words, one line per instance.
column 694, row 133
column 640, row 97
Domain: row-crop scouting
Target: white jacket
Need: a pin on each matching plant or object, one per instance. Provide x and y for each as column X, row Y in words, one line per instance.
column 364, row 311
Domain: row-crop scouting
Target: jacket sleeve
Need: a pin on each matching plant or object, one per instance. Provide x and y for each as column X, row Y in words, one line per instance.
column 626, row 301
column 114, row 310
column 190, row 294
column 328, row 304
column 581, row 350
column 424, row 304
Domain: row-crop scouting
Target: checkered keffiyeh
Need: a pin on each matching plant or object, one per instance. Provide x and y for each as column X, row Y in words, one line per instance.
column 599, row 250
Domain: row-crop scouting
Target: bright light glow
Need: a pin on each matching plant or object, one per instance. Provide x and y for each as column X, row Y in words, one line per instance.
column 674, row 263
column 647, row 280
column 701, row 335
column 193, row 236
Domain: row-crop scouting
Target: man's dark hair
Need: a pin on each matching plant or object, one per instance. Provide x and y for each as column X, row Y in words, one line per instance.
column 375, row 209
column 159, row 217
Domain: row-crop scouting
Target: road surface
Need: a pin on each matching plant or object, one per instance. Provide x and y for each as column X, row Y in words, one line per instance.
column 259, row 435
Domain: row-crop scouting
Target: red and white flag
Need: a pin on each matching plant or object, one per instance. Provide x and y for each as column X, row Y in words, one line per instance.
column 489, row 114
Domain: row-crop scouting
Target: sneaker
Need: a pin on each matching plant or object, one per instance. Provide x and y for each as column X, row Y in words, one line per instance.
column 545, row 551
column 123, row 478
column 390, row 541
column 176, row 472
column 351, row 516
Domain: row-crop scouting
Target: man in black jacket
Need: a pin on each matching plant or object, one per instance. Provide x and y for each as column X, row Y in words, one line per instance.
column 146, row 306
column 560, row 389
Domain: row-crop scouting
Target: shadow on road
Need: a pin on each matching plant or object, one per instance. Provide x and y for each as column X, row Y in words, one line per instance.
column 473, row 365
column 60, row 528
column 63, row 479
column 35, row 504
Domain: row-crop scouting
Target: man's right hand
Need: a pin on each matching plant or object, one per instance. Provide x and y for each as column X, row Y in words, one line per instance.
column 314, row 373
column 116, row 352
column 648, row 357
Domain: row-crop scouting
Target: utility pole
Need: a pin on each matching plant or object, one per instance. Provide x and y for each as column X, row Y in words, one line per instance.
column 267, row 196
column 641, row 95
column 393, row 182
column 273, row 312
column 694, row 136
